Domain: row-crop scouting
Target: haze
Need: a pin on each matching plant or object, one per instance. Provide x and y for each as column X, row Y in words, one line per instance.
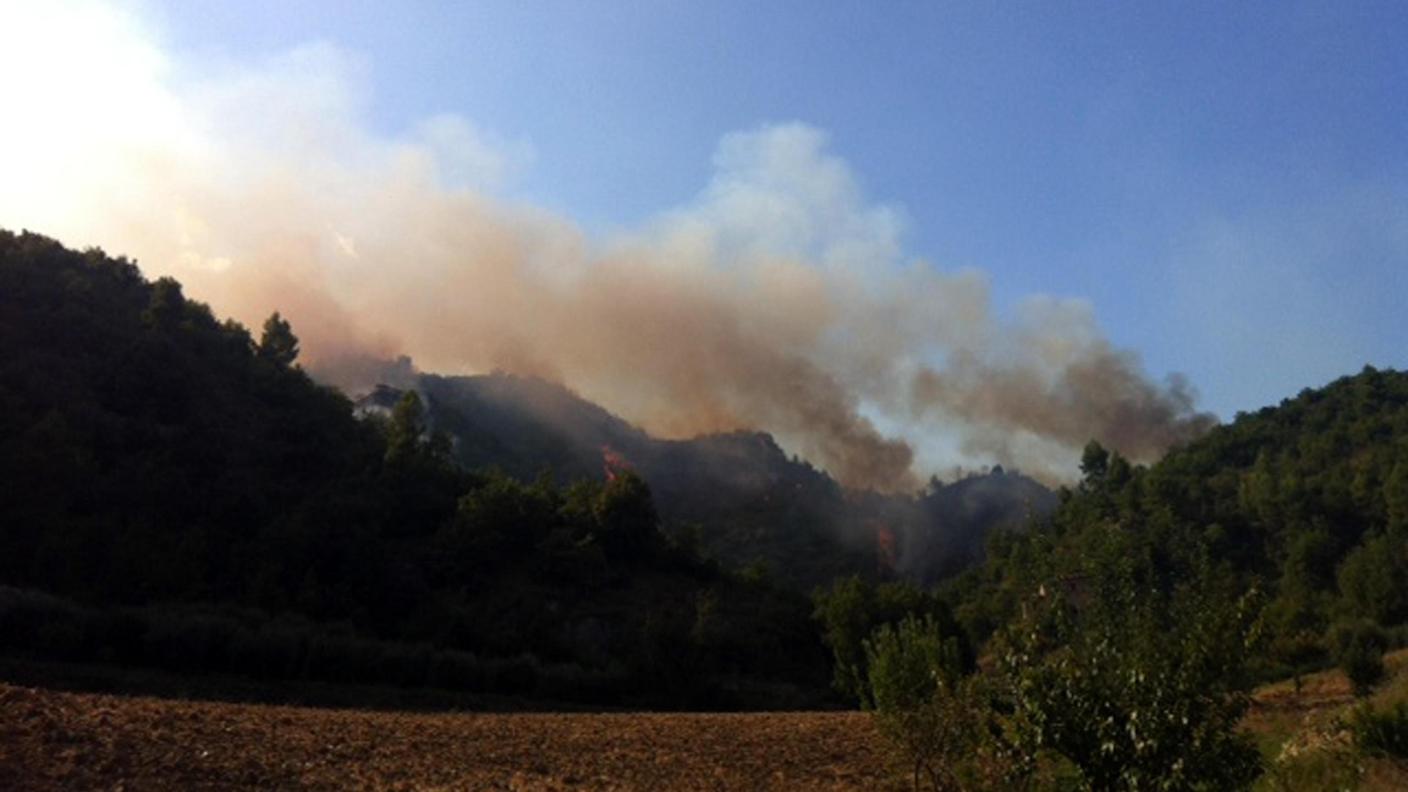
column 861, row 321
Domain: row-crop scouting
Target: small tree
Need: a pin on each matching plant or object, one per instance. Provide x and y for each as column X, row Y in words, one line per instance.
column 406, row 429
column 1137, row 689
column 845, row 614
column 926, row 708
column 166, row 306
column 851, row 610
column 626, row 521
column 278, row 344
column 1359, row 650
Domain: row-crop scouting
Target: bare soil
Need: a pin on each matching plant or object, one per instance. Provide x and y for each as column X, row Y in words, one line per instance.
column 76, row 741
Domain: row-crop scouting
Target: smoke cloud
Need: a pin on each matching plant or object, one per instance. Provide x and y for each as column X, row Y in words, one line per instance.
column 779, row 298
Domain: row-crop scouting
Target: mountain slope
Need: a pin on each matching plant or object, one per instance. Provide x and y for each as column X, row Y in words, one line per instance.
column 738, row 495
column 1306, row 502
column 198, row 503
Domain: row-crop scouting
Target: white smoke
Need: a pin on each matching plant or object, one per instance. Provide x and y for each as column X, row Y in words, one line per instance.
column 778, row 299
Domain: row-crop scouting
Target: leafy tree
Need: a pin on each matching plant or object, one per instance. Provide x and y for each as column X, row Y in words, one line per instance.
column 627, row 523
column 1359, row 650
column 1372, row 579
column 852, row 609
column 405, row 434
column 1136, row 689
column 278, row 344
column 1094, row 462
column 937, row 718
column 1396, row 498
column 502, row 520
column 166, row 306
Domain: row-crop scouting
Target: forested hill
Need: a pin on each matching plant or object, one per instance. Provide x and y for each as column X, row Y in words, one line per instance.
column 737, row 496
column 1308, row 501
column 148, row 449
column 198, row 503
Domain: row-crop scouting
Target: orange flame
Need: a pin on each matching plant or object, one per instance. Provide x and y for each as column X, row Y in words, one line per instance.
column 613, row 462
column 884, row 548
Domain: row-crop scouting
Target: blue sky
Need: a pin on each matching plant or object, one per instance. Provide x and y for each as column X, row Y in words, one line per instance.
column 1226, row 183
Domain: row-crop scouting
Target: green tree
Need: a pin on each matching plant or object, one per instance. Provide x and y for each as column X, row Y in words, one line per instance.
column 923, row 704
column 845, row 614
column 1359, row 650
column 1372, row 580
column 1094, row 462
column 851, row 610
column 406, row 431
column 278, row 344
column 1396, row 498
column 626, row 520
column 166, row 305
column 1136, row 689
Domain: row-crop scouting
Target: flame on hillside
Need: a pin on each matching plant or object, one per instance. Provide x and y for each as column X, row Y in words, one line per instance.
column 886, row 550
column 613, row 462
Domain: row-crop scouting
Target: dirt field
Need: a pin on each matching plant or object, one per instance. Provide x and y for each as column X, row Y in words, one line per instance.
column 52, row 741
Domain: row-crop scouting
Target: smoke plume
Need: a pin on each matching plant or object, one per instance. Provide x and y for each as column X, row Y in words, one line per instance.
column 778, row 298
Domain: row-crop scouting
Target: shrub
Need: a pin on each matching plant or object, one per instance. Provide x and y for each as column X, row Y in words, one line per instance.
column 1137, row 689
column 926, row 708
column 851, row 610
column 1360, row 653
column 1381, row 733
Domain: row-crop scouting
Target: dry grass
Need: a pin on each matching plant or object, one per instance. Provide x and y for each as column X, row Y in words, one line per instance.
column 1304, row 736
column 53, row 741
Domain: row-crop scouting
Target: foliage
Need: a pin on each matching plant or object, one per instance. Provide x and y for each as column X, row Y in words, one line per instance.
column 625, row 516
column 1381, row 732
column 853, row 608
column 1136, row 687
column 1338, row 768
column 937, row 718
column 1359, row 650
column 1372, row 580
column 278, row 344
column 1305, row 500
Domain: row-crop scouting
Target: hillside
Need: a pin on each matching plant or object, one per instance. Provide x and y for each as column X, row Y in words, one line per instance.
column 181, row 495
column 1306, row 501
column 737, row 496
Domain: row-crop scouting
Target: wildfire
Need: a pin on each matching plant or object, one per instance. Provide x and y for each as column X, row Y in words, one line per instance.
column 884, row 548
column 613, row 462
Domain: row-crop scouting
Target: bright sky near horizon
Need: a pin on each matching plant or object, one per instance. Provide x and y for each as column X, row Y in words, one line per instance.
column 1226, row 185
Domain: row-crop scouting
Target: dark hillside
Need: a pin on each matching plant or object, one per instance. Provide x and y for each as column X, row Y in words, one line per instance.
column 180, row 495
column 738, row 496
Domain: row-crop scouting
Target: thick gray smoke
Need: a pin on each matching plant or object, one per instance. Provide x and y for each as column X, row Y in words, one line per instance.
column 777, row 298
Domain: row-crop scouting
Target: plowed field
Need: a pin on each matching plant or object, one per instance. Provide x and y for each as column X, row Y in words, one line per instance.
column 51, row 741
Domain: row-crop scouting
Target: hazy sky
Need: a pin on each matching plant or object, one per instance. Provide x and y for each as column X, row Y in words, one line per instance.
column 1219, row 189
column 1227, row 183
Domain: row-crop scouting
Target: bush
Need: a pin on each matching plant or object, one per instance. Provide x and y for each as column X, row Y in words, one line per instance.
column 1359, row 651
column 1137, row 689
column 851, row 610
column 1364, row 665
column 1381, row 733
column 934, row 716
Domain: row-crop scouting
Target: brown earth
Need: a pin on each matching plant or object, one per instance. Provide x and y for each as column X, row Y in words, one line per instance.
column 72, row 741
